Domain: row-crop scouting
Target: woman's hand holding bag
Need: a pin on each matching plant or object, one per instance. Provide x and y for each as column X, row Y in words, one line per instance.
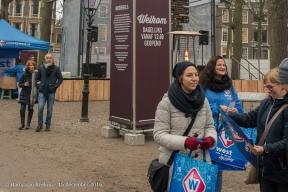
column 192, row 143
column 207, row 143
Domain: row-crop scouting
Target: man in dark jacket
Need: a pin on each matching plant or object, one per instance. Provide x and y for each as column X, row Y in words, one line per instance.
column 48, row 79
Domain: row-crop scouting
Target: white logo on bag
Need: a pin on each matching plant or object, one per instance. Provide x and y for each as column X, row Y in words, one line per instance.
column 193, row 182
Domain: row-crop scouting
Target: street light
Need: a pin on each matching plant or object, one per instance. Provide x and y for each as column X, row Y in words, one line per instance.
column 253, row 44
column 90, row 12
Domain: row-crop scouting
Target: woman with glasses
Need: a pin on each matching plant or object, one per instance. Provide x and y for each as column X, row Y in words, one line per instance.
column 273, row 163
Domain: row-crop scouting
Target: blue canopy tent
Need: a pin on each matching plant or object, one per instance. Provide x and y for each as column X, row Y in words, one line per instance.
column 12, row 41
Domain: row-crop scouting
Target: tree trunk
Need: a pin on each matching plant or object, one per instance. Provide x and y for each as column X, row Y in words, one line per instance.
column 4, row 13
column 237, row 39
column 261, row 7
column 46, row 13
column 277, row 31
column 229, row 41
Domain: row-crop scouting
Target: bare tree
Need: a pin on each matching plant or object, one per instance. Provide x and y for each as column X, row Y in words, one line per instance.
column 259, row 9
column 236, row 26
column 277, row 15
column 46, row 14
column 4, row 11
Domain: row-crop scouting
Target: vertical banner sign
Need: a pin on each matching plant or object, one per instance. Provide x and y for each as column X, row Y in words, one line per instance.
column 146, row 44
column 121, row 61
column 152, row 57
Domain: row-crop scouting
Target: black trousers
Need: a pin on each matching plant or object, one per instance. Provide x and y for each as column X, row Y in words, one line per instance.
column 271, row 186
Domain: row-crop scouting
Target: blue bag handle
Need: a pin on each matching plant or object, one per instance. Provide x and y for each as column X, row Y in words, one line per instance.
column 204, row 155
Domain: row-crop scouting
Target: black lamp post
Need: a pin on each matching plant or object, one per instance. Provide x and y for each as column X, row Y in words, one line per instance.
column 90, row 12
column 253, row 44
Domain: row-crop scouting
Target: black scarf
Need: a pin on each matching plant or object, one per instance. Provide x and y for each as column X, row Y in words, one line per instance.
column 49, row 70
column 220, row 85
column 187, row 103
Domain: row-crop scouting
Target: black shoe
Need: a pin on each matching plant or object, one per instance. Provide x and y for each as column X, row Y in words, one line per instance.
column 27, row 126
column 21, row 127
column 38, row 128
column 47, row 128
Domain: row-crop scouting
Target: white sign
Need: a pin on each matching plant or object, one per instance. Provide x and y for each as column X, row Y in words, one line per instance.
column 6, row 63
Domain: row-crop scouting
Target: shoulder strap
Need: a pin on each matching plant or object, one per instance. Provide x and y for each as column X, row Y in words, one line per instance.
column 261, row 142
column 171, row 159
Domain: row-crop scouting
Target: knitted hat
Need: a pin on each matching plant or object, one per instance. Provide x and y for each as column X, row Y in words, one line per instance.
column 283, row 71
column 180, row 67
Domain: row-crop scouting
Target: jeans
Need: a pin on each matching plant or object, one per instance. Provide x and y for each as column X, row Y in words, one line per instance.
column 219, row 181
column 23, row 107
column 41, row 103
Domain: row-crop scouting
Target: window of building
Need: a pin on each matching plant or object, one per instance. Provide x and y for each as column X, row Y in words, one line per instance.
column 17, row 8
column 224, row 34
column 264, row 18
column 102, row 30
column 245, row 35
column 102, row 51
column 33, row 30
column 224, row 52
column 245, row 17
column 17, row 26
column 102, row 11
column 59, row 38
column 264, row 54
column 225, row 16
column 34, row 8
column 264, row 36
column 244, row 52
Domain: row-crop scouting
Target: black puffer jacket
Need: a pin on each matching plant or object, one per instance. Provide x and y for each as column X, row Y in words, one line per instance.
column 26, row 90
column 273, row 163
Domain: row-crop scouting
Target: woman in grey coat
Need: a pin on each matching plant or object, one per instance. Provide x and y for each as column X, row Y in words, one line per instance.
column 185, row 100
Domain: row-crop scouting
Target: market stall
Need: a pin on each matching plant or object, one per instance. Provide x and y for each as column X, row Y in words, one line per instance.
column 12, row 41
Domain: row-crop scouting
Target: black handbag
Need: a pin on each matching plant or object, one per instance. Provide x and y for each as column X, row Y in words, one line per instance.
column 158, row 173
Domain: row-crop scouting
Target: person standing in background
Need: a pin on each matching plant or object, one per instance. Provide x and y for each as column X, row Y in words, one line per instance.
column 31, row 58
column 19, row 70
column 28, row 94
column 49, row 78
column 219, row 91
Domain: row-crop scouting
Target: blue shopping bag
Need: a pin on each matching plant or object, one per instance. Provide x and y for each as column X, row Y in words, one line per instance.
column 193, row 175
column 226, row 154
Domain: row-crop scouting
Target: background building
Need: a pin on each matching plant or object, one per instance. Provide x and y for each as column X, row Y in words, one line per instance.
column 25, row 15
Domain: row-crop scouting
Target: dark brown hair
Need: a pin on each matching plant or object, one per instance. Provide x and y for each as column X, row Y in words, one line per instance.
column 208, row 73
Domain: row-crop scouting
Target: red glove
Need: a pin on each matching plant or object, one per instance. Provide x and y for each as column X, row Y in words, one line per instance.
column 192, row 143
column 207, row 143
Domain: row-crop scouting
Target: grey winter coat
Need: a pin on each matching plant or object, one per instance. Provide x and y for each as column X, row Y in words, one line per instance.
column 171, row 123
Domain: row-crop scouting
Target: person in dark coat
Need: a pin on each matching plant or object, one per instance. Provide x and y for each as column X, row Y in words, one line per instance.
column 49, row 78
column 27, row 96
column 273, row 166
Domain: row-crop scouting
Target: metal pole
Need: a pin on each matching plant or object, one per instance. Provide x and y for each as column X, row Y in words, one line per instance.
column 202, row 55
column 213, row 27
column 258, row 68
column 85, row 91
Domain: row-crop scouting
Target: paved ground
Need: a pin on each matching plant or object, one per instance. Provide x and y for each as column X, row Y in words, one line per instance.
column 74, row 156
